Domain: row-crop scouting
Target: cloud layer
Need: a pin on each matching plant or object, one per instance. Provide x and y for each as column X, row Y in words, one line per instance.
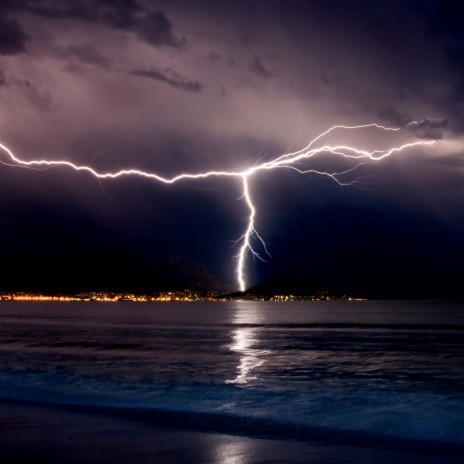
column 187, row 86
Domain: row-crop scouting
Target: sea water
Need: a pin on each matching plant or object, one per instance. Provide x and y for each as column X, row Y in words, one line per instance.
column 353, row 370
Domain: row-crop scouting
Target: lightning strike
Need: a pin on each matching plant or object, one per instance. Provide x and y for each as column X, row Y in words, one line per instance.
column 247, row 236
column 284, row 161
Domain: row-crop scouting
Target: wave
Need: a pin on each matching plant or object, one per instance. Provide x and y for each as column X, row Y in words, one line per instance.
column 255, row 427
column 312, row 325
column 353, row 325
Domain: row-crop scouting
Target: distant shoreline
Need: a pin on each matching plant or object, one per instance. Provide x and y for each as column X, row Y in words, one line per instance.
column 185, row 295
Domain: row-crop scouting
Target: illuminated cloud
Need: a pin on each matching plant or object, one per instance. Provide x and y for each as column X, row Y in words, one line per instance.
column 430, row 129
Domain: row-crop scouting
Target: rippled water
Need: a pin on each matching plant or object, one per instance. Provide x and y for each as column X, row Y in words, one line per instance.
column 383, row 369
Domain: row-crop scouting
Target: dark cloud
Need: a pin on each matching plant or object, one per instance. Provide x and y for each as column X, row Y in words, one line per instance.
column 156, row 29
column 169, row 77
column 258, row 68
column 86, row 54
column 117, row 13
column 2, row 79
column 12, row 37
column 395, row 117
column 447, row 26
column 429, row 129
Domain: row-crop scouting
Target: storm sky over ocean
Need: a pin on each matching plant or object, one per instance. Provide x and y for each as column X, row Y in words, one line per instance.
column 178, row 86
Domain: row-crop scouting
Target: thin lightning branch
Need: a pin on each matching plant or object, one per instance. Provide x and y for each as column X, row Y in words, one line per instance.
column 328, row 131
column 286, row 161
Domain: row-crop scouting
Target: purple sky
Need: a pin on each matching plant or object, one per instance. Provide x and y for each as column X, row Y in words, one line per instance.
column 177, row 86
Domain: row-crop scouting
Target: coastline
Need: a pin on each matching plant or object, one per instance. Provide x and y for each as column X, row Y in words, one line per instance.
column 76, row 435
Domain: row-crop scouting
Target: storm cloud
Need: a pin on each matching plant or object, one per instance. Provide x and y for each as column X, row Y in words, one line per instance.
column 12, row 38
column 156, row 29
column 153, row 27
column 184, row 86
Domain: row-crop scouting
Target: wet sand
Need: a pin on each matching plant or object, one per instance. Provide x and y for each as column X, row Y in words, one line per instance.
column 49, row 434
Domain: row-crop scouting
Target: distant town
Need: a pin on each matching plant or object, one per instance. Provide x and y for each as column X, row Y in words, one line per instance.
column 184, row 295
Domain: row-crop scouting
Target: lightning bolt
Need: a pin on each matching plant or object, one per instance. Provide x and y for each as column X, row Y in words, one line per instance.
column 290, row 161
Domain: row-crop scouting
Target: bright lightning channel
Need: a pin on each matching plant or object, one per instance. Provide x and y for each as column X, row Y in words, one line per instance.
column 285, row 161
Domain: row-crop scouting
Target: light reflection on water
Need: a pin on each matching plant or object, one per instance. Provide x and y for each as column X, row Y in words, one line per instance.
column 281, row 360
column 245, row 340
column 250, row 358
column 232, row 452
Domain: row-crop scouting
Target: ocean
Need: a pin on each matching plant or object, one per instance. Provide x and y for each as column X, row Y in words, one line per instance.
column 370, row 373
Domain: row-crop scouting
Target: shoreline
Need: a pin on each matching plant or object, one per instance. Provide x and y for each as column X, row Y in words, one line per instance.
column 87, row 434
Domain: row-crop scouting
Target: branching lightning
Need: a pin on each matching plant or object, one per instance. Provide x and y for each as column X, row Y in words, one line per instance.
column 290, row 161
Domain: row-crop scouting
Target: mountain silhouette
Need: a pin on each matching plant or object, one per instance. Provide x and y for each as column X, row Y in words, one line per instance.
column 286, row 284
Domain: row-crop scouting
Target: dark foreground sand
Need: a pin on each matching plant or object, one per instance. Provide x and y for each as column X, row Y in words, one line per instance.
column 47, row 434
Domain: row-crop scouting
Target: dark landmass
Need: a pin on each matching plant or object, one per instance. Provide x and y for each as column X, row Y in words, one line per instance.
column 287, row 286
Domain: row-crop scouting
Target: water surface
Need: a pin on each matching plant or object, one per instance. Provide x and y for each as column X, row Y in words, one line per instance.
column 390, row 370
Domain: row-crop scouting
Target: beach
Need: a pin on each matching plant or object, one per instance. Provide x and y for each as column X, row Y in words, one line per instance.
column 32, row 433
column 56, row 434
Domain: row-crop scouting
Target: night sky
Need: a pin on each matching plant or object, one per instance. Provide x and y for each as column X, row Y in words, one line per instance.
column 190, row 86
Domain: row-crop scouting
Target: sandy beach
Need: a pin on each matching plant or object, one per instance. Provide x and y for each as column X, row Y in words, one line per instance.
column 50, row 434
column 31, row 433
